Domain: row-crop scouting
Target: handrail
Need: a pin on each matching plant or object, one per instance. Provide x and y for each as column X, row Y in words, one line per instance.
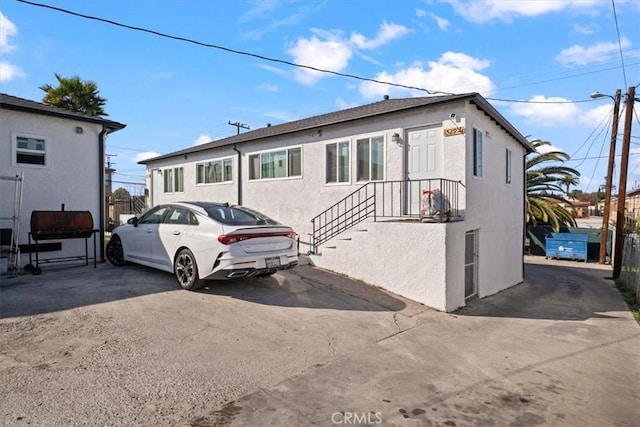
column 432, row 199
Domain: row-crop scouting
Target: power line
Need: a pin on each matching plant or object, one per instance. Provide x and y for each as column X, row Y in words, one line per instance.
column 226, row 49
column 598, row 161
column 615, row 16
column 277, row 60
column 591, row 134
column 597, row 157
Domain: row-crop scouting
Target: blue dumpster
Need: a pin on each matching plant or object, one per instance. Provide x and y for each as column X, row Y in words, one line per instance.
column 567, row 246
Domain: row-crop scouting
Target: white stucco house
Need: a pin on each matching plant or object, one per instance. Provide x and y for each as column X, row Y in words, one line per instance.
column 59, row 154
column 359, row 185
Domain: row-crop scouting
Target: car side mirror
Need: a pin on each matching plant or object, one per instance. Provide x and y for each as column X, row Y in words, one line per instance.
column 133, row 221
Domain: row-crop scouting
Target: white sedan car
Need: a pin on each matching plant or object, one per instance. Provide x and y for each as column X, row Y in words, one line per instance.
column 198, row 241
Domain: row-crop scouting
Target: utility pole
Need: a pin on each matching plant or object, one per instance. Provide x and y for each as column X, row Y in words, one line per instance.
column 622, row 189
column 109, row 156
column 239, row 125
column 604, row 237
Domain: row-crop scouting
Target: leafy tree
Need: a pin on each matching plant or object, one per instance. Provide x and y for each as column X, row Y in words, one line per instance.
column 121, row 194
column 75, row 94
column 545, row 177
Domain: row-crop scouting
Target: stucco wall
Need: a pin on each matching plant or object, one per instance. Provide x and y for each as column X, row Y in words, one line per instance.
column 70, row 177
column 421, row 261
column 295, row 201
column 499, row 217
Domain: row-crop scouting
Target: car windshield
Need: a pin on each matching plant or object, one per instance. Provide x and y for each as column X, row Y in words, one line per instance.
column 238, row 215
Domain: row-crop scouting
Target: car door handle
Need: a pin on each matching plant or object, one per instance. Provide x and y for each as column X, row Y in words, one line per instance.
column 176, row 233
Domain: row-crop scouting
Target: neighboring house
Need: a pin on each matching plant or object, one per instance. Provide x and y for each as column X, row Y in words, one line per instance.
column 631, row 209
column 355, row 184
column 61, row 154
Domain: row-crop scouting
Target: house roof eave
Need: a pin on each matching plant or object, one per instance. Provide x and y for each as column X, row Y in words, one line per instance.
column 9, row 102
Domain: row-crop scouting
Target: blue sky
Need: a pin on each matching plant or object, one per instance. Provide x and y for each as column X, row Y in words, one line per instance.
column 173, row 94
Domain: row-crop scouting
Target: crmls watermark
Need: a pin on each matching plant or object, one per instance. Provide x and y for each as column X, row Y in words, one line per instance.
column 355, row 418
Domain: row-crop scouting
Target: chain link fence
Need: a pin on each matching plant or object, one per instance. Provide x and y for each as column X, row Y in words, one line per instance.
column 630, row 272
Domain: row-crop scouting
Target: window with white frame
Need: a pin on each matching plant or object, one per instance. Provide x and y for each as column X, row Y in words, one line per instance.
column 276, row 164
column 508, row 166
column 30, row 150
column 337, row 162
column 173, row 180
column 370, row 159
column 477, row 153
column 214, row 171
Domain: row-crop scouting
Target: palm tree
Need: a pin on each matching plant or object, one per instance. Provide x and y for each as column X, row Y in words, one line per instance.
column 544, row 187
column 568, row 181
column 76, row 95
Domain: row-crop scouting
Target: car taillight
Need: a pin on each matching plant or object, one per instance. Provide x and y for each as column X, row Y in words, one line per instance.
column 227, row 239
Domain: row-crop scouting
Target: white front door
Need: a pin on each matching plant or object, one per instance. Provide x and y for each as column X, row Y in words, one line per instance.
column 424, row 162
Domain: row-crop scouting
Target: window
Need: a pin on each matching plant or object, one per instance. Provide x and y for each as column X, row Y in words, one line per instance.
column 508, row 166
column 370, row 153
column 214, row 172
column 30, row 151
column 238, row 215
column 154, row 216
column 477, row 152
column 276, row 164
column 179, row 180
column 337, row 162
column 173, row 180
column 178, row 215
column 168, row 180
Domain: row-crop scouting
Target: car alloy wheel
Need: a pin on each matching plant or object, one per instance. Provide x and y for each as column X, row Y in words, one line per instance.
column 114, row 252
column 186, row 270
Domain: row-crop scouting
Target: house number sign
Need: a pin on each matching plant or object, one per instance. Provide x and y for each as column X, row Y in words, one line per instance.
column 454, row 131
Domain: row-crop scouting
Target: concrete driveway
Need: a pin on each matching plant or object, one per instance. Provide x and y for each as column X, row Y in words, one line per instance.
column 123, row 346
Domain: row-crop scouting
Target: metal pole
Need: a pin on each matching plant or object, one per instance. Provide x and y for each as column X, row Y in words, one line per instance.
column 604, row 237
column 622, row 189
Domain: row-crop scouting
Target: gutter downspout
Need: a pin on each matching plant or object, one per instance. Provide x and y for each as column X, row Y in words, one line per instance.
column 239, row 175
column 101, row 141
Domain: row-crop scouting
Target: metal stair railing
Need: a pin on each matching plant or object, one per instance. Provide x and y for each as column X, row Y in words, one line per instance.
column 385, row 199
column 351, row 210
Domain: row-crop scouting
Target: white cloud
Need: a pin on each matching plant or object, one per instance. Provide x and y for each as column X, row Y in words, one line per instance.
column 145, row 156
column 584, row 29
column 274, row 70
column 484, row 11
column 442, row 23
column 454, row 72
column 420, row 13
column 203, row 138
column 386, row 33
column 329, row 50
column 7, row 30
column 541, row 111
column 462, row 60
column 548, row 148
column 330, row 55
column 9, row 71
column 597, row 53
column 598, row 114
